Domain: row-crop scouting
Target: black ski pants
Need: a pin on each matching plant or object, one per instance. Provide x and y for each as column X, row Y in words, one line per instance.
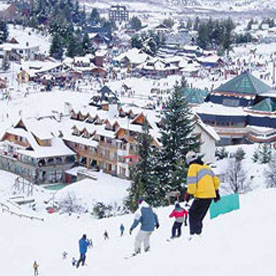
column 81, row 260
column 176, row 228
column 197, row 213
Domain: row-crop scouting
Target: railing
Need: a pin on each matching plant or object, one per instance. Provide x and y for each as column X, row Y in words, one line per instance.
column 5, row 208
column 21, row 215
column 234, row 130
column 108, row 145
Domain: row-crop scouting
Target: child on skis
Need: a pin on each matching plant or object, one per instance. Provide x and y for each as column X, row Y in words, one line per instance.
column 181, row 216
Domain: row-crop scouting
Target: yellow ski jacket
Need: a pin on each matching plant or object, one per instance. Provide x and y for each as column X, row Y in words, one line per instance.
column 202, row 182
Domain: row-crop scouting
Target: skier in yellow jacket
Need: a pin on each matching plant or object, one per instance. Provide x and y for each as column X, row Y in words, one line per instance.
column 203, row 186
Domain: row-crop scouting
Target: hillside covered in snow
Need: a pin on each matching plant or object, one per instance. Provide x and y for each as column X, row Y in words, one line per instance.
column 196, row 6
column 238, row 243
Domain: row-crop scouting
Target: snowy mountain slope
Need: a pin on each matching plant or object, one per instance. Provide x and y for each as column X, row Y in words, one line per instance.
column 238, row 243
column 193, row 5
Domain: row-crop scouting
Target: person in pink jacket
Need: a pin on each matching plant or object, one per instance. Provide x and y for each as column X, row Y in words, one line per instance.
column 180, row 215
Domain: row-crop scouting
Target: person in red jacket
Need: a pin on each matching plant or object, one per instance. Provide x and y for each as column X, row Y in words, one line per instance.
column 180, row 215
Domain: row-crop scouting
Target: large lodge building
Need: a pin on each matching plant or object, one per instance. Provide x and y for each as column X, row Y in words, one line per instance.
column 243, row 110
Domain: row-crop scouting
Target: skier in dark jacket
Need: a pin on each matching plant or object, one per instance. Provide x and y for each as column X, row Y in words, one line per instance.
column 122, row 229
column 83, row 244
column 180, row 215
column 203, row 185
column 106, row 237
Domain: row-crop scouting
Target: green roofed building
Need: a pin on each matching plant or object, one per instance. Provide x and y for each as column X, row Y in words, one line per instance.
column 195, row 96
column 240, row 91
column 266, row 105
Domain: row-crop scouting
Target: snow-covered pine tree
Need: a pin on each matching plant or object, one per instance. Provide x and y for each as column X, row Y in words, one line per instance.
column 255, row 156
column 56, row 49
column 240, row 154
column 177, row 139
column 265, row 154
column 145, row 181
column 86, row 45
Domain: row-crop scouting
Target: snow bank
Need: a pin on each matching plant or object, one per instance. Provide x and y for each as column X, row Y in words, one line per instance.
column 106, row 189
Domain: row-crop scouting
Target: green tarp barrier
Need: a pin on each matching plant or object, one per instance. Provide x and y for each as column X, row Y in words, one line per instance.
column 226, row 204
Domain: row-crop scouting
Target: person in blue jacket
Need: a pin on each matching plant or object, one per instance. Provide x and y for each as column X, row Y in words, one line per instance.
column 122, row 229
column 148, row 220
column 83, row 244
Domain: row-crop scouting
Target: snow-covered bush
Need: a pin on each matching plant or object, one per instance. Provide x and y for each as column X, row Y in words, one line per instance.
column 70, row 204
column 270, row 173
column 102, row 210
column 221, row 153
column 236, row 177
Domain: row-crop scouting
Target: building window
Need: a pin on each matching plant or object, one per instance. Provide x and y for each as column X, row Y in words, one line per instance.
column 122, row 171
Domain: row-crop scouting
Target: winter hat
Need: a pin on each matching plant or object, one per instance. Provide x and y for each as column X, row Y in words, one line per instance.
column 191, row 156
column 177, row 205
column 84, row 236
column 140, row 199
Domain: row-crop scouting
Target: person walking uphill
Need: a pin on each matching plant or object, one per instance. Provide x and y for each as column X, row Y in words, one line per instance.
column 83, row 244
column 35, row 267
column 148, row 220
column 122, row 229
column 203, row 186
column 180, row 215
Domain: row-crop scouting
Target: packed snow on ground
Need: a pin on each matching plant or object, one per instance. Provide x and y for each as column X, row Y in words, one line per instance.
column 238, row 243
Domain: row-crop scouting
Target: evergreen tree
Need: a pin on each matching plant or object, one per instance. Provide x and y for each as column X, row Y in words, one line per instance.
column 145, row 182
column 56, row 49
column 255, row 156
column 71, row 48
column 33, row 22
column 196, row 24
column 94, row 17
column 221, row 153
column 149, row 42
column 76, row 12
column 177, row 139
column 5, row 63
column 86, row 45
column 135, row 23
column 203, row 36
column 4, row 33
column 249, row 25
column 240, row 154
column 169, row 22
column 189, row 25
column 228, row 38
column 270, row 173
column 271, row 23
column 82, row 17
column 265, row 154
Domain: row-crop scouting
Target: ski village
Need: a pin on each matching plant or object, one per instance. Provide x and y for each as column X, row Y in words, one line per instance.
column 137, row 137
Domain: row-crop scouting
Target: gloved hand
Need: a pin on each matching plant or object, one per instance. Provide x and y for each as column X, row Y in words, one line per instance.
column 157, row 225
column 185, row 221
column 187, row 197
column 130, row 231
column 217, row 198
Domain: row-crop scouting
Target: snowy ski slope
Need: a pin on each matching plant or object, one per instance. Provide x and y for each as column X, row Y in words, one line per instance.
column 240, row 243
